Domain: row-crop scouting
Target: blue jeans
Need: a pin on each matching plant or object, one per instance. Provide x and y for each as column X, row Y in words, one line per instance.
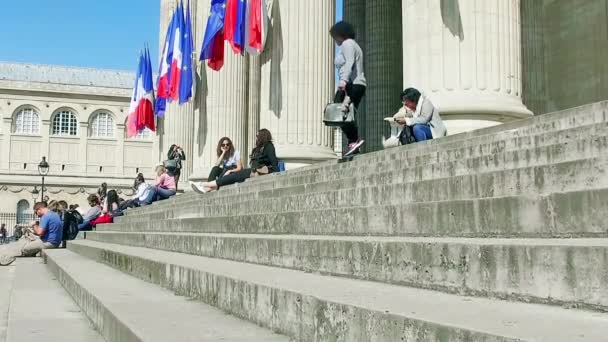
column 85, row 225
column 163, row 194
column 422, row 132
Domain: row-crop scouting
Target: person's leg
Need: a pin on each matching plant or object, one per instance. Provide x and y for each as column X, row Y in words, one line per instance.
column 235, row 177
column 422, row 132
column 33, row 247
column 176, row 175
column 355, row 92
column 216, row 171
column 85, row 225
column 151, row 197
column 163, row 194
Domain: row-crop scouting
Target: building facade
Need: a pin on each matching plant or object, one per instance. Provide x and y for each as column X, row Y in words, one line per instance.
column 482, row 63
column 74, row 117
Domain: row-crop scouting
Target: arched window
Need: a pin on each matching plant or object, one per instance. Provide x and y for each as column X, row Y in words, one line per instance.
column 65, row 124
column 102, row 126
column 27, row 121
column 23, row 212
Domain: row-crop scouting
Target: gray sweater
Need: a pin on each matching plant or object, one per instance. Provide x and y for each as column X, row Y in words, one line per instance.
column 349, row 63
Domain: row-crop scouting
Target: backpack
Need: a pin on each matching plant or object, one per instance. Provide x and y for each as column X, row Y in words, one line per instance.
column 71, row 220
column 406, row 136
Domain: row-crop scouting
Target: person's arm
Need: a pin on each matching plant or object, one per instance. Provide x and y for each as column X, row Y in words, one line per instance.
column 159, row 180
column 170, row 154
column 426, row 114
column 220, row 159
column 348, row 51
column 272, row 156
column 40, row 227
column 182, row 155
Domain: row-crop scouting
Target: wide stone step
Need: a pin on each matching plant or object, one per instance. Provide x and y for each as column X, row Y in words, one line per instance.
column 38, row 308
column 385, row 189
column 589, row 148
column 587, row 116
column 128, row 309
column 555, row 271
column 578, row 213
column 311, row 307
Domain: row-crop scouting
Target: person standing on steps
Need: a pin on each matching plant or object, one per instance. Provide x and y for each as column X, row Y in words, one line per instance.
column 352, row 82
column 177, row 154
column 421, row 115
column 263, row 161
column 44, row 234
column 228, row 160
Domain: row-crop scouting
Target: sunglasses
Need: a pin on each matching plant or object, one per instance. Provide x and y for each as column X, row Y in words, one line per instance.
column 225, row 145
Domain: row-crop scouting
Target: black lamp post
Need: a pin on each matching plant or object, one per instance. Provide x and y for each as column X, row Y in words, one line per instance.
column 43, row 170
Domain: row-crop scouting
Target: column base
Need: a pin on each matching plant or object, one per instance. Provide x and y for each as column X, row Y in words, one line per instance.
column 479, row 105
column 295, row 156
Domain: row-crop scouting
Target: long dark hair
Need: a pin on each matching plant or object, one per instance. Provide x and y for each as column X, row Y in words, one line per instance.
column 111, row 198
column 230, row 148
column 262, row 138
column 138, row 180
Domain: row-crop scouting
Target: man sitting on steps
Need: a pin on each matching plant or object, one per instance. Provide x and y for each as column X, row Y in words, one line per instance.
column 45, row 234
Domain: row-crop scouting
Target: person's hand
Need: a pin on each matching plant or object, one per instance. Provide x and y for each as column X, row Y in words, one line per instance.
column 342, row 85
column 408, row 121
column 400, row 120
column 228, row 172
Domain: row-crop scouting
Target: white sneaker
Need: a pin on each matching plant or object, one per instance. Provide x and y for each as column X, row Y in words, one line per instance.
column 197, row 188
column 6, row 260
column 353, row 148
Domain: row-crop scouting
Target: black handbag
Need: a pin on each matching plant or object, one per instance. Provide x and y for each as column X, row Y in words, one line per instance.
column 406, row 136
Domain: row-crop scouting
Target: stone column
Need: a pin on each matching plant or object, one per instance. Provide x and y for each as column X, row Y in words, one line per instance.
column 466, row 55
column 177, row 127
column 383, row 62
column 253, row 100
column 221, row 103
column 298, row 80
column 534, row 87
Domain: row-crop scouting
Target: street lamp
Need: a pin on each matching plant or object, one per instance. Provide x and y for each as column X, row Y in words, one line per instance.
column 43, row 170
column 35, row 193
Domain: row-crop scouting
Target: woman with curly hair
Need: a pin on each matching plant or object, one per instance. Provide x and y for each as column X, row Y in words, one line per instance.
column 228, row 160
column 263, row 161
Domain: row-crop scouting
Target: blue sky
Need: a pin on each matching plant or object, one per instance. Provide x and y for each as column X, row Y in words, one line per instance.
column 101, row 34
column 89, row 33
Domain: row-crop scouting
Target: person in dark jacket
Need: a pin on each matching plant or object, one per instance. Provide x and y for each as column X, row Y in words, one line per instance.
column 263, row 161
column 176, row 153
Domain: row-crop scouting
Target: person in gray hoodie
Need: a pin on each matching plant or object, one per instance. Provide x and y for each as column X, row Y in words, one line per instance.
column 351, row 83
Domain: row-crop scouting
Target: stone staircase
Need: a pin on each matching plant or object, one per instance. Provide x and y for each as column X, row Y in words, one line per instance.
column 494, row 235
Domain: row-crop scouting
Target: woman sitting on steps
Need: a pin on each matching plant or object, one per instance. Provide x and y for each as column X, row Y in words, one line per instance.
column 263, row 161
column 228, row 160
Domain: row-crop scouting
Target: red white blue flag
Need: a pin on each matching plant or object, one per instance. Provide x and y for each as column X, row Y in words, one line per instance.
column 141, row 110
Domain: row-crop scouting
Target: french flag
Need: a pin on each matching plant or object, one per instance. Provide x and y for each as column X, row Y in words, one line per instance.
column 234, row 25
column 177, row 55
column 256, row 29
column 141, row 110
column 164, row 72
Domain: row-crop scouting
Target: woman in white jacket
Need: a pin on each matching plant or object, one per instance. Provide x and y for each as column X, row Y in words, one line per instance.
column 425, row 120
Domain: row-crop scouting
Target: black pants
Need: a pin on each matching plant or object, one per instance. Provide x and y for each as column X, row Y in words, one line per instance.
column 235, row 177
column 176, row 174
column 218, row 172
column 215, row 173
column 356, row 93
